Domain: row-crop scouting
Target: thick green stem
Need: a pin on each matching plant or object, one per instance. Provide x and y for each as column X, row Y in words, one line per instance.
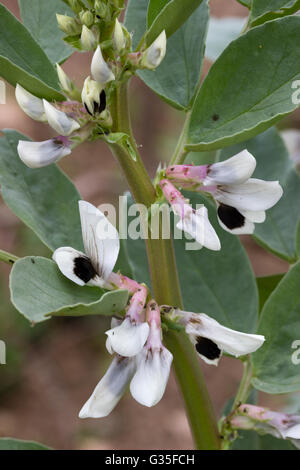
column 180, row 153
column 165, row 284
column 8, row 257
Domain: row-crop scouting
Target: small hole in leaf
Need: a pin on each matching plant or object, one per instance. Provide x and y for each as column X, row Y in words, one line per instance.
column 215, row 117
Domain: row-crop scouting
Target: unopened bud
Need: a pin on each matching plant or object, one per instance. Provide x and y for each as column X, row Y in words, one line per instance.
column 88, row 40
column 119, row 37
column 100, row 70
column 152, row 57
column 75, row 5
column 65, row 82
column 100, row 8
column 86, row 18
column 68, row 24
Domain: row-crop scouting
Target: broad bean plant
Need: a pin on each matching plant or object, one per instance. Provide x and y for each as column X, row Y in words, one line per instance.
column 176, row 281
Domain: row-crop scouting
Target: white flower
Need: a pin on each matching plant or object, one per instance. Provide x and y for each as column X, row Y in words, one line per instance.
column 39, row 154
column 65, row 82
column 30, row 104
column 128, row 338
column 87, row 39
column 119, row 37
column 153, row 364
column 101, row 244
column 210, row 338
column 93, row 96
column 197, row 224
column 242, row 201
column 153, row 56
column 100, row 70
column 59, row 120
column 110, row 389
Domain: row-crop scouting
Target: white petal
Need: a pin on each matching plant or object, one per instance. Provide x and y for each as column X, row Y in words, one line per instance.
column 99, row 68
column 198, row 226
column 231, row 341
column 110, row 389
column 30, row 104
column 292, row 432
column 254, row 195
column 39, row 154
column 59, row 120
column 150, row 380
column 129, row 338
column 254, row 216
column 235, row 170
column 155, row 53
column 100, row 239
column 65, row 258
column 114, row 322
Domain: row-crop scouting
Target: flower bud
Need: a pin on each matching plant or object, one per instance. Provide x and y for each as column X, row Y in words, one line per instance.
column 30, row 104
column 119, row 37
column 68, row 24
column 99, row 68
column 100, row 8
column 75, row 5
column 65, row 82
column 86, row 18
column 152, row 57
column 93, row 97
column 88, row 40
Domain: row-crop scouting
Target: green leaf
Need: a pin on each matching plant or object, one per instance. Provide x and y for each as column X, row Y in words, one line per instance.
column 177, row 77
column 208, row 279
column 23, row 61
column 155, row 7
column 38, row 289
column 245, row 3
column 171, row 17
column 266, row 285
column 7, row 443
column 136, row 19
column 27, row 193
column 39, row 16
column 221, row 32
column 249, row 87
column 278, row 233
column 275, row 371
column 271, row 9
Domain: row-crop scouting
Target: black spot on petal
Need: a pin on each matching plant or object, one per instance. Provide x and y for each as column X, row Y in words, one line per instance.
column 102, row 104
column 230, row 217
column 84, row 269
column 87, row 109
column 207, row 348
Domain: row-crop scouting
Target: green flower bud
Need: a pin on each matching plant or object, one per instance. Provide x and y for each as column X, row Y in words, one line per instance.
column 68, row 24
column 75, row 5
column 86, row 18
column 101, row 8
column 119, row 38
column 88, row 40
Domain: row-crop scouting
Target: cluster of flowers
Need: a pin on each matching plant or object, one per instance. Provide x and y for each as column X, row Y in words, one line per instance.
column 75, row 120
column 241, row 200
column 140, row 358
column 136, row 340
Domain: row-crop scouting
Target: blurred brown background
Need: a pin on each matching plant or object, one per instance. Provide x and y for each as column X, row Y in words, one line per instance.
column 52, row 368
